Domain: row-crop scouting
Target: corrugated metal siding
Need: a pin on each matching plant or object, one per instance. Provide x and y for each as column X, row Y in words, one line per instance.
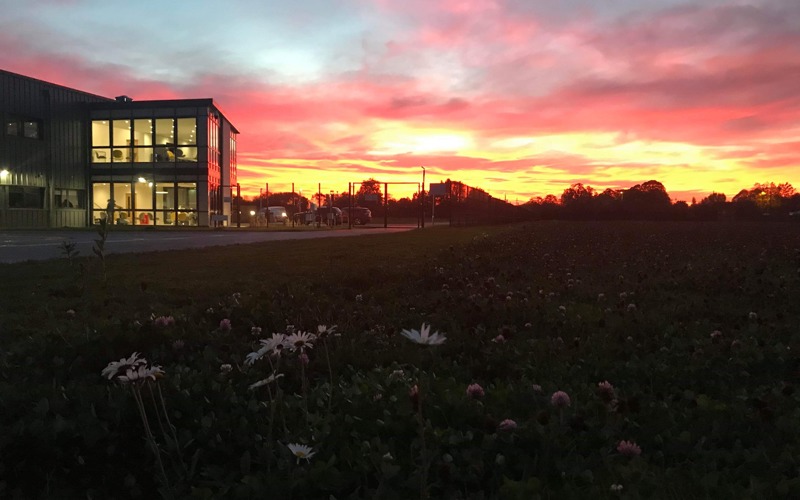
column 57, row 160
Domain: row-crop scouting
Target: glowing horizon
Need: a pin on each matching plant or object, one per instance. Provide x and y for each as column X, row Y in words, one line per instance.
column 519, row 98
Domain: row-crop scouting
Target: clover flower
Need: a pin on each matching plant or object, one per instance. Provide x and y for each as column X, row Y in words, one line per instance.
column 164, row 321
column 560, row 399
column 475, row 391
column 507, row 425
column 413, row 396
column 301, row 451
column 606, row 390
column 255, row 331
column 537, row 389
column 225, row 325
column 424, row 336
column 499, row 339
column 629, row 449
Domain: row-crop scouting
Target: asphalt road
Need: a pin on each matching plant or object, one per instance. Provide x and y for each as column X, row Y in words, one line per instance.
column 21, row 246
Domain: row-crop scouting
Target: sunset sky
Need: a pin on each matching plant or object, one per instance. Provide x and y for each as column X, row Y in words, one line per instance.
column 519, row 97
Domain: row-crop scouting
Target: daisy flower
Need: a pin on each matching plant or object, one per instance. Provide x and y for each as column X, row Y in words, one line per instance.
column 301, row 451
column 424, row 336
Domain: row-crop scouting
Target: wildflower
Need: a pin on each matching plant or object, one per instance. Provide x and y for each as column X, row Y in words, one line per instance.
column 303, row 358
column 716, row 335
column 71, row 313
column 413, row 395
column 323, row 331
column 616, row 488
column 225, row 368
column 629, row 449
column 475, row 391
column 528, row 325
column 606, row 391
column 301, row 451
column 272, row 378
column 537, row 389
column 424, row 336
column 752, row 316
column 560, row 399
column 735, row 344
column 255, row 331
column 507, row 425
column 164, row 321
column 225, row 325
column 359, row 298
column 388, row 457
column 631, row 308
column 116, row 368
column 499, row 339
column 562, row 309
column 178, row 345
column 273, row 345
column 397, row 374
column 141, row 373
column 300, row 341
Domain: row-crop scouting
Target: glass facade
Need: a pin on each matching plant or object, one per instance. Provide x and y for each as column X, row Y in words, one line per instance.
column 154, row 168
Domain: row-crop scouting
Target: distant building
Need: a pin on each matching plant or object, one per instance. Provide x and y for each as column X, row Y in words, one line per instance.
column 69, row 158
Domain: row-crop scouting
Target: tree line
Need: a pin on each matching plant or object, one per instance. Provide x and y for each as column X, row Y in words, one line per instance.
column 650, row 200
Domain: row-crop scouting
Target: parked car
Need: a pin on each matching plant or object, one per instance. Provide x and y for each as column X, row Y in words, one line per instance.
column 278, row 214
column 359, row 215
column 320, row 215
column 275, row 215
column 329, row 215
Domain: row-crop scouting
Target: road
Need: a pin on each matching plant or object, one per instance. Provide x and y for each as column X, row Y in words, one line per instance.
column 21, row 246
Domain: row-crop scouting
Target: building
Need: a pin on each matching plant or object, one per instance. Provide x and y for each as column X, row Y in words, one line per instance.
column 70, row 159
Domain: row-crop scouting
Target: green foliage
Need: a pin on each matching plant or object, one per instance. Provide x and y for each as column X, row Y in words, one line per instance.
column 662, row 312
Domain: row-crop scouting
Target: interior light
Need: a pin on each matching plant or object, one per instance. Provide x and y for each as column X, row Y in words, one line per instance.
column 142, row 179
column 3, row 173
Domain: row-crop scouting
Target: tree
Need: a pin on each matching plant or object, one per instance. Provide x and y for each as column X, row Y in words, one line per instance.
column 647, row 200
column 370, row 193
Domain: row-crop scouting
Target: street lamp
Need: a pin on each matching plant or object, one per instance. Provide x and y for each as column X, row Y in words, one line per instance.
column 422, row 199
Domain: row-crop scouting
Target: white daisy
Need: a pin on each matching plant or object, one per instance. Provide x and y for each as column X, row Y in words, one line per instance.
column 116, row 368
column 301, row 451
column 300, row 341
column 424, row 336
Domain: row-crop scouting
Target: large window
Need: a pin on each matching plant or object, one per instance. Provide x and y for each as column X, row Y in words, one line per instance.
column 69, row 198
column 142, row 140
column 101, row 140
column 121, row 141
column 25, row 197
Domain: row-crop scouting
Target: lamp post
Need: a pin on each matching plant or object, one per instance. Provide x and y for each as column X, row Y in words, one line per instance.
column 422, row 198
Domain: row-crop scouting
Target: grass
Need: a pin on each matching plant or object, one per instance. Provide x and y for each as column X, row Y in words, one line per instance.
column 694, row 324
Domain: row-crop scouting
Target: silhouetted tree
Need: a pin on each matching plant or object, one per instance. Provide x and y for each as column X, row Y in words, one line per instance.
column 576, row 201
column 648, row 200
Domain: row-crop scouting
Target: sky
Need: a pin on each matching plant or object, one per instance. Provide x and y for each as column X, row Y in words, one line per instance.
column 521, row 98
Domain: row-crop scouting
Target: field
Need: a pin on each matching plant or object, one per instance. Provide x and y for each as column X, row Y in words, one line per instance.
column 574, row 360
